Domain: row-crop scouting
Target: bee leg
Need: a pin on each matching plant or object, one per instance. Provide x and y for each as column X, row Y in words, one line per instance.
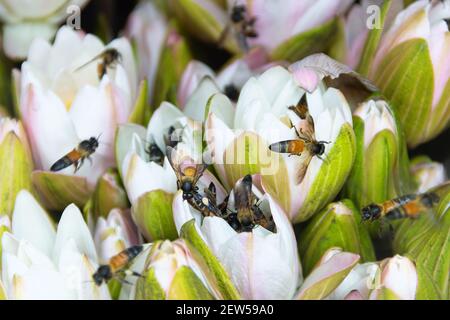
column 77, row 166
column 90, row 160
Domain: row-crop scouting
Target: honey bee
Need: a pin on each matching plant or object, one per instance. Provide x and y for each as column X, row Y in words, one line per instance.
column 77, row 156
column 242, row 25
column 306, row 146
column 155, row 154
column 207, row 204
column 407, row 206
column 108, row 59
column 187, row 173
column 248, row 214
column 118, row 266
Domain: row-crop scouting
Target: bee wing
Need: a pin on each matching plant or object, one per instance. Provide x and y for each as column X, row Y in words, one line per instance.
column 243, row 193
column 305, row 159
column 211, row 194
column 90, row 61
column 173, row 158
column 200, row 168
column 304, row 129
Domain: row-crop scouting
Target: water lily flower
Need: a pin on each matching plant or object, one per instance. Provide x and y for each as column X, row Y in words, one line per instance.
column 114, row 234
column 25, row 21
column 229, row 80
column 16, row 163
column 40, row 261
column 169, row 272
column 151, row 183
column 428, row 174
column 147, row 28
column 260, row 263
column 399, row 279
column 61, row 106
column 379, row 141
column 359, row 283
column 419, row 33
column 238, row 139
column 286, row 30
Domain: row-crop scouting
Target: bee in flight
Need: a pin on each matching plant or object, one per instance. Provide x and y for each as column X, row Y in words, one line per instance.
column 407, row 206
column 77, row 156
column 243, row 26
column 108, row 59
column 306, row 146
column 248, row 214
column 187, row 173
column 118, row 266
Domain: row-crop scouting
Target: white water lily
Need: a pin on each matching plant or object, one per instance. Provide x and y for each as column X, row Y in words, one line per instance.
column 359, row 282
column 399, row 277
column 262, row 118
column 114, row 234
column 75, row 102
column 229, row 80
column 26, row 20
column 261, row 264
column 40, row 261
column 147, row 28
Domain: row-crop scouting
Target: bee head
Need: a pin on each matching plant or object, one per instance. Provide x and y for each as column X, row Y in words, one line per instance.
column 93, row 142
column 371, row 212
column 103, row 273
column 187, row 190
column 318, row 148
column 237, row 13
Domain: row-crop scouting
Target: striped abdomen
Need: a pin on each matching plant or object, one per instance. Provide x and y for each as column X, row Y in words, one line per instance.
column 405, row 206
column 122, row 259
column 69, row 159
column 289, row 146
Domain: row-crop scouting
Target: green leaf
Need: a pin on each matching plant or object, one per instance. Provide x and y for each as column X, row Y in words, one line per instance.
column 213, row 270
column 174, row 58
column 386, row 294
column 186, row 285
column 372, row 41
column 303, row 44
column 139, row 114
column 15, row 171
column 405, row 76
column 440, row 115
column 56, row 191
column 153, row 215
column 148, row 287
column 332, row 174
column 426, row 287
column 337, row 225
column 114, row 287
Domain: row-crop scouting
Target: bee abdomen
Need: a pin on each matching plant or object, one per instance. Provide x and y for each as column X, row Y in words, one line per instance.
column 280, row 147
column 429, row 199
column 395, row 214
column 62, row 163
column 133, row 251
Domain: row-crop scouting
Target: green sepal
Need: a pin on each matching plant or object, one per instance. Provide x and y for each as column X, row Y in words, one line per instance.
column 148, row 287
column 213, row 270
column 186, row 285
column 153, row 215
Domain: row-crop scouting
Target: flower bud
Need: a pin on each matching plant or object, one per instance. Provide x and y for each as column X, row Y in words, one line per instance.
column 377, row 174
column 171, row 273
column 337, row 225
column 398, row 280
column 16, row 163
column 427, row 174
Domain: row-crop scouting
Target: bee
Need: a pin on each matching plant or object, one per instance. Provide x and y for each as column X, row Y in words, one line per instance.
column 407, row 206
column 108, row 58
column 243, row 26
column 248, row 213
column 77, row 156
column 117, row 266
column 187, row 173
column 155, row 154
column 172, row 138
column 207, row 204
column 306, row 146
